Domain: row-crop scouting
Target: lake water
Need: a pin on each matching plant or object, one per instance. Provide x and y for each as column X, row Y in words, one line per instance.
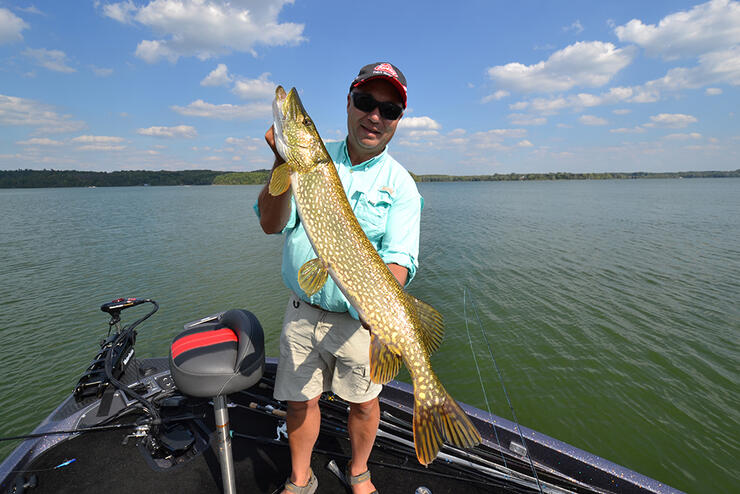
column 613, row 307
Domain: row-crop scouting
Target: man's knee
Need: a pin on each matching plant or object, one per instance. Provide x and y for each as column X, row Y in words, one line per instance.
column 366, row 410
column 303, row 407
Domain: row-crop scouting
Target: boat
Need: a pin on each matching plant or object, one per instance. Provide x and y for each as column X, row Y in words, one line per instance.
column 150, row 425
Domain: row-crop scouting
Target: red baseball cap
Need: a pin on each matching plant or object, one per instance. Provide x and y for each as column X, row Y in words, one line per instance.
column 382, row 70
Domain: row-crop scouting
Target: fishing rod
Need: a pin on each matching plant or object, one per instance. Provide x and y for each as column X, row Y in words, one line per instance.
column 97, row 428
column 489, row 458
column 140, row 425
column 501, row 379
column 485, row 458
column 334, row 425
column 335, row 428
column 480, row 463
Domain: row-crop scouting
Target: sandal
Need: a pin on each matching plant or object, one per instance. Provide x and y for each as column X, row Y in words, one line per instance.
column 358, row 479
column 309, row 488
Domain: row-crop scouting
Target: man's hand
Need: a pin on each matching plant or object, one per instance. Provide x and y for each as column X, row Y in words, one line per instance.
column 270, row 138
column 364, row 324
column 274, row 211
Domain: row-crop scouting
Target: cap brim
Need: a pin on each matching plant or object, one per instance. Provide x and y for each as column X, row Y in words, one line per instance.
column 399, row 87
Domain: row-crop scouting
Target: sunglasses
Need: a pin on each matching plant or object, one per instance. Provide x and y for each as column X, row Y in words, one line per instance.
column 366, row 103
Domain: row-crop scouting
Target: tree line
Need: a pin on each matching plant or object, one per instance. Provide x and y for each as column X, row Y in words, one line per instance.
column 74, row 178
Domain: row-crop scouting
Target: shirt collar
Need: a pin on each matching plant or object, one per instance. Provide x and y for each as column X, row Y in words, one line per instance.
column 365, row 164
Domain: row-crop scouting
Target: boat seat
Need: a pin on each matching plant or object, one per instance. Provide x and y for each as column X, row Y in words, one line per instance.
column 214, row 357
column 218, row 357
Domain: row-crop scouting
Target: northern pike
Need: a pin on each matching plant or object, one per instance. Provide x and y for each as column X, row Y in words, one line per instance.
column 402, row 328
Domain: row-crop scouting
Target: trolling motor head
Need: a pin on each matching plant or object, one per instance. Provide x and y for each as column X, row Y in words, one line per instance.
column 115, row 307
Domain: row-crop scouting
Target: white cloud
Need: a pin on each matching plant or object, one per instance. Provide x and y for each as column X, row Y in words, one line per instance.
column 500, row 94
column 582, row 64
column 122, row 11
column 40, row 141
column 494, row 138
column 30, row 10
column 184, row 131
column 524, row 119
column 101, row 71
column 621, row 111
column 615, row 95
column 250, row 144
column 260, row 88
column 524, row 144
column 683, row 137
column 100, row 147
column 206, row 28
column 98, row 143
column 55, row 60
column 200, row 108
column 713, row 91
column 707, row 27
column 426, row 123
column 89, row 139
column 671, row 120
column 218, row 77
column 576, row 27
column 26, row 112
column 623, row 130
column 713, row 68
column 592, row 120
column 10, row 27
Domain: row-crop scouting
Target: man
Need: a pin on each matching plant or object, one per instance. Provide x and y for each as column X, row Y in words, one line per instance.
column 323, row 345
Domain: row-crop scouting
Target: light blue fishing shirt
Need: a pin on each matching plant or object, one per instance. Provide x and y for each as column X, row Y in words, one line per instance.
column 387, row 204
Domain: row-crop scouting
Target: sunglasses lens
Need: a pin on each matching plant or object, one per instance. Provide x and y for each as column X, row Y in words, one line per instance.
column 390, row 111
column 366, row 103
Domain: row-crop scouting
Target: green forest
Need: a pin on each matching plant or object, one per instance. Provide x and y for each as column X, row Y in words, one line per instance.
column 73, row 178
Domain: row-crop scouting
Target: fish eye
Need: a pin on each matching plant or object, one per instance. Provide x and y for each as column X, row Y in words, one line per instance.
column 306, row 121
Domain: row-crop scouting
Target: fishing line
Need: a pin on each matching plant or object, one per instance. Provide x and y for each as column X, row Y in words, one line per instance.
column 501, row 379
column 480, row 377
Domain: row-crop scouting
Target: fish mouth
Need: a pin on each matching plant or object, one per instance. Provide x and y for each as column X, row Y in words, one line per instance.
column 287, row 106
column 279, row 115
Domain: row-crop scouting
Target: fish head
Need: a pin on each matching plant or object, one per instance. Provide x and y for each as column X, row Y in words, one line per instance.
column 296, row 137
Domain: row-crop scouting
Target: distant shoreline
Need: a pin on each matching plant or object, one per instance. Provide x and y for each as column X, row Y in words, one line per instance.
column 18, row 179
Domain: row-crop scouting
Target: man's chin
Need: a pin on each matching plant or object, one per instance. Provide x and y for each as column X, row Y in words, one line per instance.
column 371, row 143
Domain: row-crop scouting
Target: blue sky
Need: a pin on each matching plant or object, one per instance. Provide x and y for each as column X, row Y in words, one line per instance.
column 494, row 86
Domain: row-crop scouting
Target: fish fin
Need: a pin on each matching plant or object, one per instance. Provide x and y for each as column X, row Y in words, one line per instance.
column 457, row 429
column 445, row 421
column 312, row 276
column 280, row 181
column 384, row 362
column 432, row 325
column 427, row 439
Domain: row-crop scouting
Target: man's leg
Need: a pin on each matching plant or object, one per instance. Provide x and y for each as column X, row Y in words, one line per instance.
column 303, row 421
column 362, row 424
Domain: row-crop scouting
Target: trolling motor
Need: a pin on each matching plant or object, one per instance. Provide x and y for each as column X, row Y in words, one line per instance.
column 171, row 431
column 116, row 351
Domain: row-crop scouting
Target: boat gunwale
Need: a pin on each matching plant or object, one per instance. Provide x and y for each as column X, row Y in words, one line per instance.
column 543, row 449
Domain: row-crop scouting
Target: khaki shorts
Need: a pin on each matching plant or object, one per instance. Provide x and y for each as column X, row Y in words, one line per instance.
column 323, row 351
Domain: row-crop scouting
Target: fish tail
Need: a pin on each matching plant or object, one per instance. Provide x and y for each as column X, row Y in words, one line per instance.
column 438, row 420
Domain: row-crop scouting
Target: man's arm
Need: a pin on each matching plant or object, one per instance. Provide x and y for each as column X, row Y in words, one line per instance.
column 274, row 210
column 399, row 272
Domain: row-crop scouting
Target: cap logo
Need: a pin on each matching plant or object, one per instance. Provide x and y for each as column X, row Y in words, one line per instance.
column 387, row 69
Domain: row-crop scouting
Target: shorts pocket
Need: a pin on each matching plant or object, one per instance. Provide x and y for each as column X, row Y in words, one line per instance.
column 360, row 379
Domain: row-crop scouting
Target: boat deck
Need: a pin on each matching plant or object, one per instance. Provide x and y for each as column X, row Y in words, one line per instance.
column 261, row 464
